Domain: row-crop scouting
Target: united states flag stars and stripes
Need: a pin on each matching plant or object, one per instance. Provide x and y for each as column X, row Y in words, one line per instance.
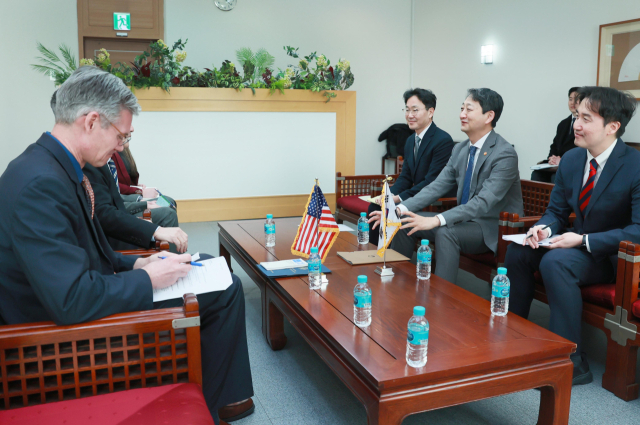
column 318, row 227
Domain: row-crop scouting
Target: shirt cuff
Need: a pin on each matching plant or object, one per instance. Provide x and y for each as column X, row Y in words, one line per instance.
column 402, row 208
column 443, row 222
column 399, row 197
column 154, row 232
column 549, row 232
column 588, row 247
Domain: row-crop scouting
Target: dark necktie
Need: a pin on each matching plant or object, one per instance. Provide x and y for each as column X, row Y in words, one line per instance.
column 114, row 172
column 587, row 189
column 416, row 146
column 573, row 120
column 89, row 192
column 467, row 176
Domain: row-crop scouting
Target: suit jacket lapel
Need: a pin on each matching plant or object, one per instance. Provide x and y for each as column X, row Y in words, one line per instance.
column 611, row 167
column 487, row 148
column 425, row 141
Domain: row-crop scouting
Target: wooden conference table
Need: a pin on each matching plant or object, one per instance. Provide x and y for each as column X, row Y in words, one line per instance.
column 472, row 355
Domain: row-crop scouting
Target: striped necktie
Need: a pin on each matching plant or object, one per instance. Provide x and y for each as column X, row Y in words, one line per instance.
column 587, row 189
column 416, row 146
column 467, row 177
column 88, row 190
column 114, row 172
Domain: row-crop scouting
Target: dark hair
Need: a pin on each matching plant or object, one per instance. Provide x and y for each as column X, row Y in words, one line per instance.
column 489, row 100
column 611, row 104
column 573, row 89
column 425, row 96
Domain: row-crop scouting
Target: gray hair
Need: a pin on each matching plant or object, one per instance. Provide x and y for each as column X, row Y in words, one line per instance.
column 91, row 89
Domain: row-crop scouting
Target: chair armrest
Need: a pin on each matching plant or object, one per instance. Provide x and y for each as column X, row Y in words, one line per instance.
column 146, row 215
column 160, row 246
column 46, row 362
column 628, row 277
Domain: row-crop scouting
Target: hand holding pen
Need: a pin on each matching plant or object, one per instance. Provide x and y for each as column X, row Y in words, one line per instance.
column 537, row 233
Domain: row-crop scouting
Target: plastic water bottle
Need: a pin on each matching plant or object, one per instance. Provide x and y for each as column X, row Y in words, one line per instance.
column 315, row 266
column 362, row 303
column 363, row 229
column 500, row 293
column 270, row 231
column 417, row 338
column 423, row 266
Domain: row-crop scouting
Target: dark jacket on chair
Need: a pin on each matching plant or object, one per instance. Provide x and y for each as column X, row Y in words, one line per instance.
column 564, row 140
column 433, row 154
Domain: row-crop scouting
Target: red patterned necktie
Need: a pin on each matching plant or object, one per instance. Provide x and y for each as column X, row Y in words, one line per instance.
column 89, row 191
column 587, row 189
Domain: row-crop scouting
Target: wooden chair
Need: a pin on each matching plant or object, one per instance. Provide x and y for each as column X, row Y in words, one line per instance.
column 350, row 188
column 120, row 357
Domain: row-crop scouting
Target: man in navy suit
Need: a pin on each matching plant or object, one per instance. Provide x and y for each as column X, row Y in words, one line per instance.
column 426, row 152
column 55, row 261
column 600, row 183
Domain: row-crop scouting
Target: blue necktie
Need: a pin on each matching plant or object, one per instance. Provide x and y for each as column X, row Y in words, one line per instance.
column 114, row 172
column 467, row 176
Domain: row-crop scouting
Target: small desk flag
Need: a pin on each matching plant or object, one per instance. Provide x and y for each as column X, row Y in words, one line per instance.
column 389, row 222
column 318, row 227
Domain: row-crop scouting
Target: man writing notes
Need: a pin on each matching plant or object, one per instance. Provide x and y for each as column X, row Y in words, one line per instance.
column 55, row 262
column 600, row 183
column 426, row 151
column 485, row 170
column 562, row 143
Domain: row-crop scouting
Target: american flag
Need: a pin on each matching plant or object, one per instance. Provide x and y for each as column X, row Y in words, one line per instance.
column 318, row 227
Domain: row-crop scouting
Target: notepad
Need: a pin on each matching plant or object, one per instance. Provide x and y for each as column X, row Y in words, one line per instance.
column 214, row 275
column 284, row 264
column 542, row 166
column 519, row 239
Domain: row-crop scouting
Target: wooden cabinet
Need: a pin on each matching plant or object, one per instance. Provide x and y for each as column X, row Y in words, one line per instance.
column 96, row 27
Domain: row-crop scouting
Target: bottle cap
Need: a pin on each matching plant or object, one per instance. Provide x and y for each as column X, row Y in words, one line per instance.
column 363, row 214
column 314, row 249
column 362, row 279
column 418, row 310
column 269, row 216
column 424, row 242
column 502, row 270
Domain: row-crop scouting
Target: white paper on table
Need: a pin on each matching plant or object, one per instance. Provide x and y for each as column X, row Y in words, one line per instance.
column 369, row 199
column 519, row 239
column 284, row 264
column 345, row 228
column 214, row 275
column 542, row 166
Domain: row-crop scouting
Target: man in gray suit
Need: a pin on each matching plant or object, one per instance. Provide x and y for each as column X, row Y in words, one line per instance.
column 485, row 170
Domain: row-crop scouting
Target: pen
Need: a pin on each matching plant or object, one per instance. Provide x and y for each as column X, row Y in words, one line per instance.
column 168, row 202
column 192, row 263
column 544, row 228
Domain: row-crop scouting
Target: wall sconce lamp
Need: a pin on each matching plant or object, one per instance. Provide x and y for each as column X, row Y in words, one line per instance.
column 486, row 54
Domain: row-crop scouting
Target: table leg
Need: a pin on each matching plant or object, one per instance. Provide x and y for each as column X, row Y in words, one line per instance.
column 224, row 253
column 555, row 399
column 384, row 414
column 272, row 323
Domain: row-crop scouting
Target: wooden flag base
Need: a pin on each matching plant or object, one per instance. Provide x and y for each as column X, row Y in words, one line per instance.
column 384, row 271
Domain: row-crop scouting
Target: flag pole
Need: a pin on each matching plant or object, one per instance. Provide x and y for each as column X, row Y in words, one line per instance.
column 384, row 271
column 317, row 224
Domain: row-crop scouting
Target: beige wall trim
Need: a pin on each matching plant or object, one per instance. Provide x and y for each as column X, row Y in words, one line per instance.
column 245, row 208
column 230, row 100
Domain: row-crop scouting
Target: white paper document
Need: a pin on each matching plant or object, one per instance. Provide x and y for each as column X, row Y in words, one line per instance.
column 519, row 239
column 345, row 228
column 369, row 199
column 284, row 264
column 542, row 166
column 214, row 275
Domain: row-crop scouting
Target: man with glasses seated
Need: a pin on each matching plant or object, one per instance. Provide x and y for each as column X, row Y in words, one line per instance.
column 426, row 151
column 120, row 220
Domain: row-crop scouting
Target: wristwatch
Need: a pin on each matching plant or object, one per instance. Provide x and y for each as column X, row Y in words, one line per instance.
column 584, row 241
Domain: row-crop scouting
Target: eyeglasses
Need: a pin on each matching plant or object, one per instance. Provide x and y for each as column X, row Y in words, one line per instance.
column 414, row 111
column 124, row 138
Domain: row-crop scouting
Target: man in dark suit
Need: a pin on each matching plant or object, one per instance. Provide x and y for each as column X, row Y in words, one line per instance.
column 562, row 143
column 55, row 261
column 600, row 183
column 125, row 231
column 426, row 151
column 485, row 171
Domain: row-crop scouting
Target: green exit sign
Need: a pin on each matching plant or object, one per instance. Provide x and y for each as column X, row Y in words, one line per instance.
column 121, row 21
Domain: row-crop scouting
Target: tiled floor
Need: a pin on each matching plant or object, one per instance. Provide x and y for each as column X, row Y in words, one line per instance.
column 294, row 386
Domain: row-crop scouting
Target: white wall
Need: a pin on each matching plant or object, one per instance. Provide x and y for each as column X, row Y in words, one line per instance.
column 543, row 49
column 372, row 34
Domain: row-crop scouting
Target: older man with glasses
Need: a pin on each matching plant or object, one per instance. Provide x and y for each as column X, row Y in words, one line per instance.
column 55, row 262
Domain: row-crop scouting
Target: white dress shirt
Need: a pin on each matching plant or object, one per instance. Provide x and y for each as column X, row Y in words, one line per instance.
column 601, row 160
column 421, row 136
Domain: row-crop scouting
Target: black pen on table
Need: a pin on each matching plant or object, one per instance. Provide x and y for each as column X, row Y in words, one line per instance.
column 192, row 262
column 544, row 228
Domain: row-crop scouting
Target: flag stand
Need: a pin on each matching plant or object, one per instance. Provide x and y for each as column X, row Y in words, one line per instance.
column 384, row 271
